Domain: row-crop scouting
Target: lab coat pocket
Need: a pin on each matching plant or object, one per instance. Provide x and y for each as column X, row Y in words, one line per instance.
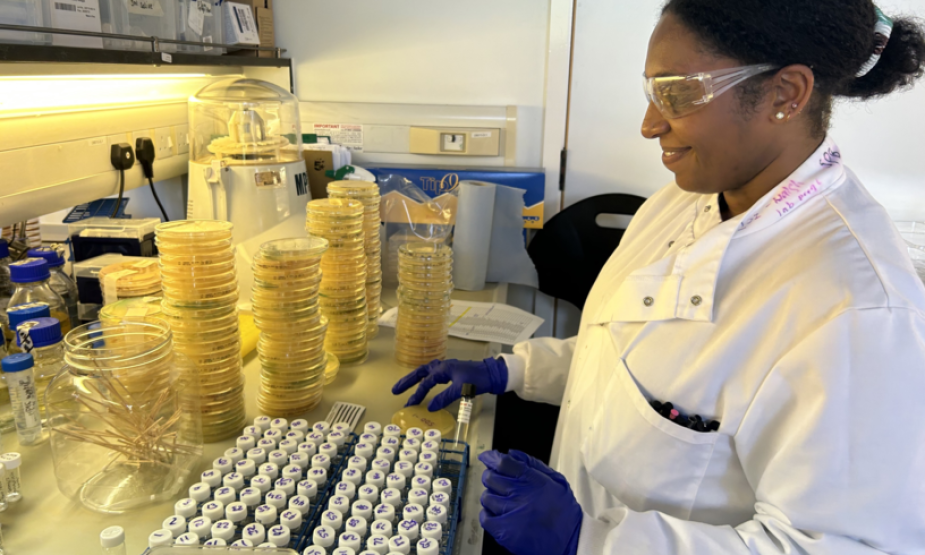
column 642, row 459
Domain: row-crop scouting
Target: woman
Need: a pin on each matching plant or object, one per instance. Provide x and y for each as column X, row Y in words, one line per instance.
column 765, row 291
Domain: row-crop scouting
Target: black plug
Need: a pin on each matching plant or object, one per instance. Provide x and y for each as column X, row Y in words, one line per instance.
column 144, row 151
column 121, row 156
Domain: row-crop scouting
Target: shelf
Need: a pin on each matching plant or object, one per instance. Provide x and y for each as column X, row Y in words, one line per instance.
column 66, row 54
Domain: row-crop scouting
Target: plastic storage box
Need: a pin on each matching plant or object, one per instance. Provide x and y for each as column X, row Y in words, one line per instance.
column 141, row 18
column 96, row 236
column 23, row 12
column 201, row 21
column 87, row 276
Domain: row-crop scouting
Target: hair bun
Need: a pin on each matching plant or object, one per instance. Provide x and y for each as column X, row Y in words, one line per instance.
column 902, row 62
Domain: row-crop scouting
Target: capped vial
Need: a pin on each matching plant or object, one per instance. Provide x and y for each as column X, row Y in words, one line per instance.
column 235, row 512
column 437, row 513
column 309, row 449
column 291, row 519
column 381, row 527
column 400, row 544
column 322, row 427
column 112, row 540
column 269, row 470
column 307, row 488
column 353, row 476
column 225, row 495
column 392, row 496
column 375, row 478
column 211, row 477
column 215, row 510
column 243, row 543
column 246, row 443
column 185, row 507
column 413, row 511
column 276, row 498
column 263, row 483
column 418, row 496
column 215, row 542
column 278, row 457
column 300, row 425
column 430, row 447
column 318, row 474
column 253, row 431
column 382, row 465
column 428, row 546
column 300, row 459
column 234, row 481
column 391, row 431
column 346, row 489
column 235, row 454
column 321, row 461
column 337, row 438
column 358, row 462
column 280, row 424
column 415, row 433
column 395, row 481
column 370, row 439
column 351, row 540
column 409, row 529
column 372, row 427
column 324, row 536
column 432, row 530
column 430, row 458
column 292, row 471
column 356, row 524
column 328, row 449
column 223, row 465
column 286, row 485
column 265, row 514
column 440, row 498
column 424, row 469
column 393, row 442
column 344, row 551
column 315, row 437
column 369, row 492
column 250, row 496
column 188, row 538
column 404, row 468
column 224, row 529
column 362, row 509
column 378, row 544
column 258, row 455
column 385, row 511
column 365, row 450
column 254, row 532
column 332, row 519
column 200, row 492
column 201, row 526
column 20, row 380
column 279, row 535
column 443, row 485
column 412, row 444
column 159, row 538
column 433, row 434
column 341, row 427
column 386, row 453
column 290, row 446
column 315, row 550
column 247, row 468
column 175, row 524
column 263, row 422
column 421, row 482
column 299, row 503
column 266, row 444
column 295, row 435
column 339, row 503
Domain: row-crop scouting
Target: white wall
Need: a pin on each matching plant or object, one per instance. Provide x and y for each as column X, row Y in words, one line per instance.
column 608, row 154
column 478, row 52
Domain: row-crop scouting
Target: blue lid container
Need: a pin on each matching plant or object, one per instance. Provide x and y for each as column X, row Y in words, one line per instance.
column 29, row 270
column 43, row 331
column 17, row 362
column 48, row 254
column 4, row 248
column 29, row 311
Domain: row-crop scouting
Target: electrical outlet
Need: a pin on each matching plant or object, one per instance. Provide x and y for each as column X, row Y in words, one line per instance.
column 181, row 138
column 142, row 133
column 163, row 143
column 116, row 139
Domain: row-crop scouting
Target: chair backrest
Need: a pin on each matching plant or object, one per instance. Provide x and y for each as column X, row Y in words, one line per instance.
column 571, row 249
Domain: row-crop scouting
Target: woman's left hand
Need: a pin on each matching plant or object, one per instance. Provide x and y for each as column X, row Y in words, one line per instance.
column 528, row 507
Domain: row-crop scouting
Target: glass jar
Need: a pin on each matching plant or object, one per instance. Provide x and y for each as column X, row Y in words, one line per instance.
column 60, row 282
column 120, row 436
column 47, row 351
column 16, row 315
column 6, row 289
column 30, row 278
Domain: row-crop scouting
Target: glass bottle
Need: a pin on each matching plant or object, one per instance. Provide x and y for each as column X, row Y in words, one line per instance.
column 18, row 314
column 112, row 541
column 60, row 282
column 21, row 381
column 465, row 415
column 6, row 289
column 12, row 484
column 47, row 352
column 3, row 503
column 30, row 279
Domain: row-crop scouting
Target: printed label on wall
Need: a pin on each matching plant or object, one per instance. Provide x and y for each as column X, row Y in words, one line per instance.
column 79, row 15
column 150, row 8
column 349, row 135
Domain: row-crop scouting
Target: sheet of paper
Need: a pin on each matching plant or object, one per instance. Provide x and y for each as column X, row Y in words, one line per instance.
column 493, row 322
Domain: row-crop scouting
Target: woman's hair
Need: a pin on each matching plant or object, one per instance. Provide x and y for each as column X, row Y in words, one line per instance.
column 835, row 38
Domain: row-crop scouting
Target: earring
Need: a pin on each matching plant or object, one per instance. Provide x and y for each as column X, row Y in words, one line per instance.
column 780, row 115
column 794, row 105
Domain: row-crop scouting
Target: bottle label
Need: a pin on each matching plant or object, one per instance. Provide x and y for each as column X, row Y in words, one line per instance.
column 465, row 411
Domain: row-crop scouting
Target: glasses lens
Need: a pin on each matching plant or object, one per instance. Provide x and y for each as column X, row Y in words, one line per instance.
column 676, row 97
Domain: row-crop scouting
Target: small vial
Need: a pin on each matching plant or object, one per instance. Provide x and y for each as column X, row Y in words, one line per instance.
column 291, row 519
column 223, row 465
column 370, row 439
column 412, row 443
column 300, row 504
column 381, row 465
column 392, row 496
column 280, row 424
column 321, row 461
column 258, row 455
column 201, row 526
column 185, row 507
column 300, row 459
column 292, row 472
column 391, row 431
column 429, row 457
column 112, row 541
column 315, row 550
column 339, row 503
column 465, row 414
column 254, row 533
column 428, row 546
column 250, row 496
column 362, row 509
column 346, row 489
column 415, row 432
column 395, row 481
column 300, row 425
column 290, row 446
column 215, row 542
column 382, row 527
column 386, row 453
column 263, row 483
column 353, row 476
column 358, row 462
column 332, row 519
column 235, row 512
column 421, row 482
column 365, row 450
column 372, row 427
column 392, row 442
column 375, row 478
column 234, row 481
column 211, row 477
column 409, row 529
column 413, row 511
column 432, row 530
column 286, row 485
column 236, row 454
column 341, row 427
column 279, row 535
column 319, row 475
column 404, row 468
column 378, row 543
column 266, row 444
column 344, row 551
column 188, row 538
column 433, row 434
column 295, row 435
column 246, row 443
column 159, row 538
column 430, row 447
column 440, row 499
column 175, row 524
column 369, row 492
column 385, row 511
column 324, row 536
column 418, row 496
column 214, row 510
column 337, row 438
column 224, row 529
column 329, row 449
column 265, row 514
column 243, row 543
column 443, row 485
column 307, row 489
column 322, row 427
column 200, row 492
column 437, row 513
column 269, row 470
column 357, row 525
column 400, row 544
column 277, row 499
column 424, row 469
column 278, row 457
column 225, row 495
column 308, row 448
column 20, row 380
column 263, row 422
column 253, row 431
column 3, row 503
column 315, row 437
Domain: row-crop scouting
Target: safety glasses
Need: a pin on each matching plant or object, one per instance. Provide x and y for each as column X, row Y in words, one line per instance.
column 682, row 95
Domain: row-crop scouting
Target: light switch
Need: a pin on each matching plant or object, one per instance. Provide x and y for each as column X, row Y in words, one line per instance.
column 453, row 142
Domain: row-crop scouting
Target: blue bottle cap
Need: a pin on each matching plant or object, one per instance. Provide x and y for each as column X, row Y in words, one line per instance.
column 29, row 270
column 4, row 248
column 43, row 331
column 29, row 311
column 17, row 362
column 48, row 254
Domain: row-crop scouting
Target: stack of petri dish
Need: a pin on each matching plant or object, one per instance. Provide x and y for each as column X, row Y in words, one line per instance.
column 200, row 290
column 145, row 309
column 425, row 284
column 130, row 280
column 367, row 192
column 343, row 284
column 287, row 278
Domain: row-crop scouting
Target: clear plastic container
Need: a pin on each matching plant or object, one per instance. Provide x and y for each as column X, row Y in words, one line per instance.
column 120, row 436
column 31, row 278
column 23, row 12
column 60, row 282
column 147, row 18
column 201, row 21
column 47, row 353
column 18, row 370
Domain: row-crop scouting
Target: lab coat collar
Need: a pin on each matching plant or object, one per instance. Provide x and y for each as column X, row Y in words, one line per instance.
column 683, row 284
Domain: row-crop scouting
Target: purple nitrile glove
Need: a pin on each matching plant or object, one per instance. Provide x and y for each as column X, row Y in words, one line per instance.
column 528, row 507
column 488, row 376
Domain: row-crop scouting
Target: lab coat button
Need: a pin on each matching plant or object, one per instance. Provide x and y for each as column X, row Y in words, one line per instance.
column 707, row 209
column 670, row 244
column 648, row 301
column 696, row 300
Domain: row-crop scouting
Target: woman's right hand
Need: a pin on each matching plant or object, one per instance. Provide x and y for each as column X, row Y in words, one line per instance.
column 488, row 376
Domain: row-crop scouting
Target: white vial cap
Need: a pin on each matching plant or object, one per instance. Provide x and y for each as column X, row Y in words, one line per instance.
column 400, row 544
column 250, row 496
column 270, row 470
column 443, row 485
column 392, row 442
column 413, row 511
column 337, row 438
column 418, row 496
column 236, row 512
column 277, row 499
column 382, row 527
column 188, row 538
column 412, row 443
column 292, row 471
column 246, row 468
column 382, row 465
column 347, row 489
column 318, row 474
column 315, row 437
column 358, row 462
column 308, row 448
column 424, row 469
column 11, row 460
column 286, row 485
column 356, row 524
column 433, row 530
column 263, row 483
column 437, row 513
column 315, row 550
column 246, row 442
column 365, row 450
column 342, row 427
column 385, row 511
column 386, row 453
column 378, row 543
column 266, row 444
column 428, row 546
column 176, row 524
column 223, row 529
column 279, row 424
column 430, row 447
column 295, row 435
column 215, row 510
column 321, row 461
column 114, row 536
column 278, row 457
column 300, row 425
column 429, row 458
column 215, row 542
column 254, row 431
column 392, row 496
column 324, row 536
column 339, row 503
column 395, row 481
column 235, row 454
column 370, row 439
column 391, row 431
column 185, row 507
column 254, row 532
column 328, row 449
column 290, row 446
column 201, row 526
column 257, row 454
column 440, row 498
column 333, row 519
column 351, row 540
column 343, row 550
column 265, row 514
column 291, row 519
column 421, row 482
column 353, row 476
column 243, row 543
column 225, row 495
column 415, row 432
column 375, row 478
column 274, row 434
column 372, row 427
column 307, row 488
column 405, row 468
column 433, row 434
column 369, row 492
column 223, row 465
column 160, row 537
column 300, row 459
column 263, row 422
column 200, row 491
column 279, row 535
column 233, row 480
column 409, row 529
column 300, row 504
column 322, row 427
column 212, row 477
column 362, row 509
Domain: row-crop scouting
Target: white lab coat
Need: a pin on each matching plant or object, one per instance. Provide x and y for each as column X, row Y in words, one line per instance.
column 799, row 325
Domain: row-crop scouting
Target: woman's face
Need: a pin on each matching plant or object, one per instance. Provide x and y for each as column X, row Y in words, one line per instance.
column 718, row 148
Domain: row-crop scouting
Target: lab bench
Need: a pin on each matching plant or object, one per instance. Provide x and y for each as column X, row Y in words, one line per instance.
column 46, row 522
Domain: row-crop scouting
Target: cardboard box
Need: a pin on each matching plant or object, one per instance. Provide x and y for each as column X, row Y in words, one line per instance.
column 240, row 24
column 265, row 31
column 316, row 163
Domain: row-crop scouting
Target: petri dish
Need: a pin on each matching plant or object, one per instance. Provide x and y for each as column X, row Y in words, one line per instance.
column 194, row 230
column 334, row 206
column 176, row 261
column 331, row 369
column 284, row 252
